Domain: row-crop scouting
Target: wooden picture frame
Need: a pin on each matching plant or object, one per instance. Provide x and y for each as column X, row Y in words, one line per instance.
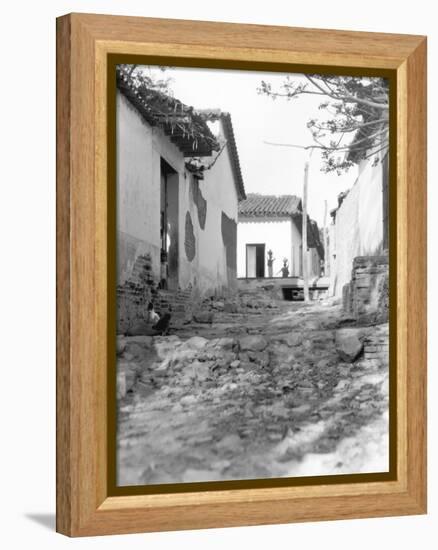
column 85, row 249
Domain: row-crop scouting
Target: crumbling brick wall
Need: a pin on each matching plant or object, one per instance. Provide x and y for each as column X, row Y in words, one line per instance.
column 376, row 345
column 134, row 295
column 366, row 296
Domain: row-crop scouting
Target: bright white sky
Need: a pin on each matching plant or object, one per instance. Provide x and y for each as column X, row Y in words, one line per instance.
column 257, row 118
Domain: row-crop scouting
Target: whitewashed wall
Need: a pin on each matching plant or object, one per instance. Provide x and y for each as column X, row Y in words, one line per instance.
column 208, row 270
column 282, row 236
column 296, row 254
column 358, row 229
column 276, row 235
column 139, row 152
column 139, row 148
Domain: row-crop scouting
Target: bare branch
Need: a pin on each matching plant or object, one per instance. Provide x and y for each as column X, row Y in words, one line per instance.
column 348, row 97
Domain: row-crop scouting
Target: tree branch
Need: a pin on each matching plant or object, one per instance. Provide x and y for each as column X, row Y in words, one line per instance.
column 347, row 97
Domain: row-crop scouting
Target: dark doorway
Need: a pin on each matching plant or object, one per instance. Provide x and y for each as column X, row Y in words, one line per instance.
column 255, row 260
column 169, row 225
column 293, row 294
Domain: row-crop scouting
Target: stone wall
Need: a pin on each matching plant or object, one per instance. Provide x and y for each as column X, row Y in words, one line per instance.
column 376, row 346
column 366, row 296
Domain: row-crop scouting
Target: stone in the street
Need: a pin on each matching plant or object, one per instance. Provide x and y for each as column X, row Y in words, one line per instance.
column 301, row 409
column 221, row 465
column 230, row 307
column 323, row 364
column 188, row 400
column 253, row 343
column 196, row 342
column 203, row 317
column 229, row 442
column 348, row 344
column 294, row 339
column 201, row 370
column 134, row 350
column 290, row 339
column 226, row 343
column 145, row 341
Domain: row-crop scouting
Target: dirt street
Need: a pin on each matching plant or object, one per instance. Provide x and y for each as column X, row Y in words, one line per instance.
column 284, row 390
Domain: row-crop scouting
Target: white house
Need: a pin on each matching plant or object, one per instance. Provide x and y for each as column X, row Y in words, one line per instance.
column 178, row 183
column 274, row 223
column 178, row 188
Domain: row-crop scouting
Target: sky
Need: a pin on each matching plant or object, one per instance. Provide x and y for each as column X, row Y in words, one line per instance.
column 257, row 119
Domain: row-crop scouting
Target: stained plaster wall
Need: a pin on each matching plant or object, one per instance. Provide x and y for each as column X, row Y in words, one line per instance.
column 208, row 271
column 139, row 151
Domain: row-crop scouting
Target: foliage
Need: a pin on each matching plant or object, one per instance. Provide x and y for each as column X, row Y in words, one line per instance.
column 151, row 93
column 145, row 78
column 354, row 121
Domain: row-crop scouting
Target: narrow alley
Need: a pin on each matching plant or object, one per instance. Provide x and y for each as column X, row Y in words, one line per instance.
column 253, row 388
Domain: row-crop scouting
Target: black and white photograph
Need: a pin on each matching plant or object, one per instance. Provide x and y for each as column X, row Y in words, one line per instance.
column 252, row 266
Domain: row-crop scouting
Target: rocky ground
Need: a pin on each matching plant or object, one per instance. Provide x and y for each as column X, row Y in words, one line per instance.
column 253, row 390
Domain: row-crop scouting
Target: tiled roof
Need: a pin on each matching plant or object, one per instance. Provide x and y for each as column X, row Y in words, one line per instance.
column 257, row 205
column 229, row 135
column 187, row 129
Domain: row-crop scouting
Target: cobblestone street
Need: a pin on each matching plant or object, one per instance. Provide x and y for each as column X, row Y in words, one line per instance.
column 273, row 390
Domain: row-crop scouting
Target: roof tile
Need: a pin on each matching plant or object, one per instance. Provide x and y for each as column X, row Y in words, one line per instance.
column 257, row 205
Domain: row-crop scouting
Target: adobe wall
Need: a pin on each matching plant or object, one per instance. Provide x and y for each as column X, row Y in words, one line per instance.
column 276, row 234
column 358, row 227
column 206, row 234
column 208, row 220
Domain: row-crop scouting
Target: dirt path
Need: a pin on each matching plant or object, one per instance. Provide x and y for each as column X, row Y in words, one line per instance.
column 252, row 395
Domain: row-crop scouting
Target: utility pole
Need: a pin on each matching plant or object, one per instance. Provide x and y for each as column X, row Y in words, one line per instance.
column 304, row 233
column 304, row 255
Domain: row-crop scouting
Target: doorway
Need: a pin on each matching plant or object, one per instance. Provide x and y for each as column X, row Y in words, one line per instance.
column 169, row 210
column 255, row 260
